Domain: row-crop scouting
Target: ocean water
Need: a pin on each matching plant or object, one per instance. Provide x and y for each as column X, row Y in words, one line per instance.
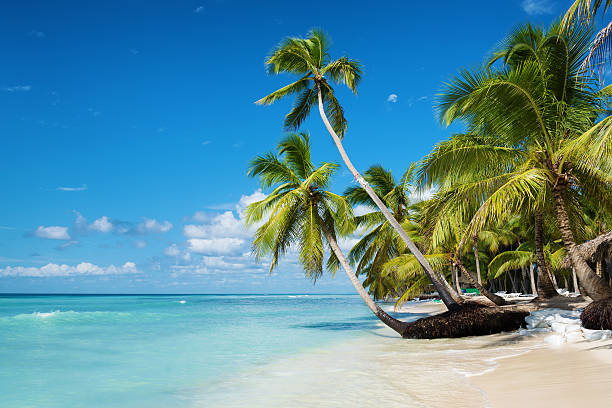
column 231, row 351
column 156, row 351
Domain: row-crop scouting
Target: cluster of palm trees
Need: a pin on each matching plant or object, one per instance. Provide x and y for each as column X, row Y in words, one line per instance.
column 528, row 180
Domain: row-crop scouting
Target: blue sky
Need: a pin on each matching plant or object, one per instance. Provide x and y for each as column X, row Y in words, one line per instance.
column 127, row 127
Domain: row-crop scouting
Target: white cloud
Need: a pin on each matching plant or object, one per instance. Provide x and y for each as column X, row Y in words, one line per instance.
column 53, row 232
column 67, row 245
column 36, row 33
column 153, row 226
column 81, row 188
column 17, row 88
column 102, row 224
column 245, row 200
column 224, row 225
column 80, row 222
column 215, row 246
column 392, row 98
column 220, row 226
column 105, row 224
column 140, row 243
column 538, row 7
column 82, row 269
column 172, row 250
column 199, row 9
column 206, row 142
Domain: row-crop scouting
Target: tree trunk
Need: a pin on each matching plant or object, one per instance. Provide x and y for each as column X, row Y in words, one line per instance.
column 554, row 280
column 545, row 285
column 498, row 300
column 534, row 291
column 575, row 281
column 514, row 280
column 524, row 279
column 454, row 277
column 477, row 258
column 391, row 322
column 593, row 285
column 452, row 301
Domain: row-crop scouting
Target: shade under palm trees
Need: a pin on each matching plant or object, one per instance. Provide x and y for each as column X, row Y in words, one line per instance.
column 301, row 212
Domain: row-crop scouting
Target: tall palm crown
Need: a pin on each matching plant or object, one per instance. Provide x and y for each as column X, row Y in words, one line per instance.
column 299, row 208
column 309, row 58
column 521, row 119
column 524, row 121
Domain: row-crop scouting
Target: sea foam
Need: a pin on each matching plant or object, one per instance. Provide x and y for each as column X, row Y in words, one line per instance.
column 565, row 326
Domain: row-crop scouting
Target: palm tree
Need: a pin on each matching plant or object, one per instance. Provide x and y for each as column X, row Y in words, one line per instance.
column 301, row 212
column 584, row 12
column 528, row 121
column 309, row 59
column 380, row 242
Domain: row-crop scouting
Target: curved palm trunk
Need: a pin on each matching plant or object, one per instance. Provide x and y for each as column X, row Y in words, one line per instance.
column 593, row 285
column 477, row 257
column 391, row 322
column 498, row 300
column 545, row 284
column 452, row 301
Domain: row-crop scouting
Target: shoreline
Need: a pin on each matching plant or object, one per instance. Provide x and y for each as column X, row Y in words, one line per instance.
column 381, row 369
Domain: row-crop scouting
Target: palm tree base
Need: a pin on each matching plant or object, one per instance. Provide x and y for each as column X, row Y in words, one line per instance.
column 471, row 319
column 598, row 315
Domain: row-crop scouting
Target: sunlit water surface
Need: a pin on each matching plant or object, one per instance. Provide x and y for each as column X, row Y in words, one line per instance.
column 208, row 351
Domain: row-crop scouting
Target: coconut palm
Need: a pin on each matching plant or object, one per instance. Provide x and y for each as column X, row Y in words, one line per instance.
column 527, row 123
column 309, row 59
column 584, row 12
column 300, row 212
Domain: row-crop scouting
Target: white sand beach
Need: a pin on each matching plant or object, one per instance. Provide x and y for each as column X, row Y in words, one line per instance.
column 575, row 375
column 383, row 370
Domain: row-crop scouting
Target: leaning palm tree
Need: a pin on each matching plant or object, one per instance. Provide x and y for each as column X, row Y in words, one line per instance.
column 309, row 59
column 301, row 212
column 379, row 243
column 533, row 121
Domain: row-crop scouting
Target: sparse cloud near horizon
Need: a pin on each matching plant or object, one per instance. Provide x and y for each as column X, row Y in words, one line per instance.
column 83, row 187
column 17, row 88
column 105, row 224
column 52, row 232
column 102, row 224
column 392, row 98
column 55, row 270
column 538, row 7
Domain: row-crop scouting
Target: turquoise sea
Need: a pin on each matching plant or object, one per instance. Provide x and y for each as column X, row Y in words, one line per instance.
column 199, row 351
column 157, row 350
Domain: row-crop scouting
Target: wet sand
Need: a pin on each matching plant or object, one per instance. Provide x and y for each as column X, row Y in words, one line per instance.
column 379, row 369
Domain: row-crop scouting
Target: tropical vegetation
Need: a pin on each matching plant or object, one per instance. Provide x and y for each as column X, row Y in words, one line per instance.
column 513, row 195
